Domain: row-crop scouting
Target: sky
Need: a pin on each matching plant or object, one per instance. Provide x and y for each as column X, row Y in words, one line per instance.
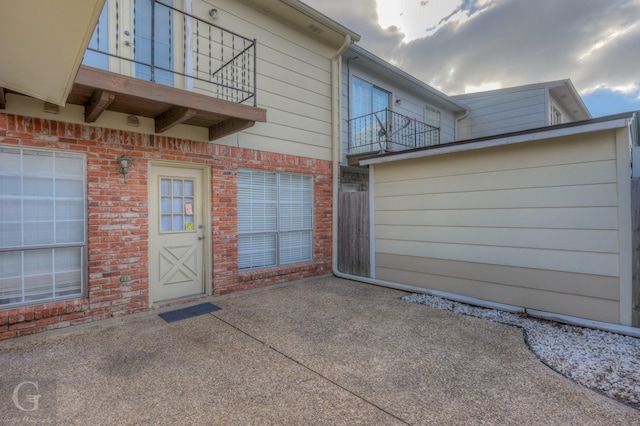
column 463, row 46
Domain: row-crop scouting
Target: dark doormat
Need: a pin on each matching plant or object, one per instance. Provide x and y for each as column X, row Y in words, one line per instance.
column 192, row 311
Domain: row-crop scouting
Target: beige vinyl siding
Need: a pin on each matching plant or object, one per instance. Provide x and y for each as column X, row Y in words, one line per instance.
column 293, row 84
column 410, row 105
column 586, row 296
column 533, row 225
column 293, row 81
column 502, row 112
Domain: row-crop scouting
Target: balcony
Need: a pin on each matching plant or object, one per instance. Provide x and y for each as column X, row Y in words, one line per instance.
column 150, row 59
column 387, row 131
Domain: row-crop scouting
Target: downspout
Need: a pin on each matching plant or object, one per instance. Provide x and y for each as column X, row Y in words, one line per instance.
column 336, row 91
column 456, row 129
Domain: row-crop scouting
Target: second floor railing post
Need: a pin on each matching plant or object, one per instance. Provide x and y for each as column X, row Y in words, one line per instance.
column 387, row 130
column 153, row 34
column 224, row 77
column 255, row 61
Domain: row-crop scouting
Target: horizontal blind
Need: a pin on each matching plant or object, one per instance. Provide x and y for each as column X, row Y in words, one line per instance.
column 257, row 213
column 275, row 218
column 296, row 218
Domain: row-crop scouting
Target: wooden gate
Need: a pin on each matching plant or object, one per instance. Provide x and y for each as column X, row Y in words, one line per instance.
column 353, row 233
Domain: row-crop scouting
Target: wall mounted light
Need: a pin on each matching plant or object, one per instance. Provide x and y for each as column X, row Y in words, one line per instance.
column 398, row 102
column 213, row 13
column 50, row 108
column 124, row 162
column 133, row 121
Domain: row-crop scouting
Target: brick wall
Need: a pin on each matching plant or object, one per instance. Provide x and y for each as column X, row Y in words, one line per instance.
column 118, row 212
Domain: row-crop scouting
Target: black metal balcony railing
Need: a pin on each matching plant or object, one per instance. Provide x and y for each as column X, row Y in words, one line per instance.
column 171, row 47
column 386, row 130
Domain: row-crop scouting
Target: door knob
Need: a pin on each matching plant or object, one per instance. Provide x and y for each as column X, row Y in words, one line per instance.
column 200, row 236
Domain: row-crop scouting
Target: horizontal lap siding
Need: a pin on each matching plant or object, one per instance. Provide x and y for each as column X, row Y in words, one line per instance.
column 293, row 83
column 534, row 225
column 492, row 114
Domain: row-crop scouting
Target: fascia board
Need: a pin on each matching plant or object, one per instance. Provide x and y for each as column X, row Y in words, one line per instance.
column 499, row 141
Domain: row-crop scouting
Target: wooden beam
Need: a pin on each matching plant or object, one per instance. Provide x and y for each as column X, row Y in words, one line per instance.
column 97, row 104
column 3, row 101
column 227, row 127
column 136, row 88
column 172, row 117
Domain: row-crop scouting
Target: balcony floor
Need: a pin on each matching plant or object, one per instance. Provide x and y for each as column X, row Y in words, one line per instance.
column 100, row 91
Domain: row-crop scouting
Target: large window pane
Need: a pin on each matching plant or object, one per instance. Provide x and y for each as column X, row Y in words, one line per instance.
column 163, row 55
column 42, row 198
column 270, row 206
column 256, row 251
column 295, row 247
column 177, row 205
column 10, row 234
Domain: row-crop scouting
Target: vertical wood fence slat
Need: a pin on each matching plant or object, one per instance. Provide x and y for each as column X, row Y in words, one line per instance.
column 353, row 233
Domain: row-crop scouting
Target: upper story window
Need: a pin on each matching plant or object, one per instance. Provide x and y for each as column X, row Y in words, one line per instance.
column 556, row 116
column 42, row 226
column 433, row 118
column 142, row 31
column 367, row 98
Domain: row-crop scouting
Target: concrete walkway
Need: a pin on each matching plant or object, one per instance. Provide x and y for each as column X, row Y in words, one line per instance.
column 325, row 352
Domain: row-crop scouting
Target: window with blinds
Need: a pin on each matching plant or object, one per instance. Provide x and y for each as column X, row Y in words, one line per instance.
column 275, row 218
column 42, row 225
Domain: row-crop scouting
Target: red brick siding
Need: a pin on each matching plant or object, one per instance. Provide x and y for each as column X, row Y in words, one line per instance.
column 118, row 212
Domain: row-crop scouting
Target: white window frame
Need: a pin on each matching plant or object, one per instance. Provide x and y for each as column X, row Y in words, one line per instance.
column 263, row 224
column 53, row 267
column 373, row 89
column 433, row 118
column 556, row 116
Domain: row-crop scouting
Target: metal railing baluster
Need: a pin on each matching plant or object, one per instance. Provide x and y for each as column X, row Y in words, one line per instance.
column 233, row 80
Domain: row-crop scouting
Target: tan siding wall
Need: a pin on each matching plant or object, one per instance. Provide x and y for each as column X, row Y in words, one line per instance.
column 533, row 225
column 294, row 83
column 508, row 111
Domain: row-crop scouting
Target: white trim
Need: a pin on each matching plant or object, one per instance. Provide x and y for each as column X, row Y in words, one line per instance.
column 448, row 102
column 567, row 319
column 336, row 143
column 321, row 18
column 625, row 232
column 500, row 141
column 515, row 89
column 372, row 223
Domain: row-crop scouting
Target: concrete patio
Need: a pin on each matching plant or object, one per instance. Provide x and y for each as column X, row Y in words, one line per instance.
column 329, row 351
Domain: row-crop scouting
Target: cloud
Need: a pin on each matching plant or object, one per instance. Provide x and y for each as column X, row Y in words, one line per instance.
column 510, row 43
column 361, row 16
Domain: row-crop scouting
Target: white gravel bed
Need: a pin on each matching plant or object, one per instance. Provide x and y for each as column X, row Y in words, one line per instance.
column 606, row 362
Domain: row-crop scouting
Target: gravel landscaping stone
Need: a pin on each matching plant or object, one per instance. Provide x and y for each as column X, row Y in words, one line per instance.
column 606, row 362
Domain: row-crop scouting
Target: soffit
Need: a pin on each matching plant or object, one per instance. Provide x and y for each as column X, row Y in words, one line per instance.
column 42, row 43
column 306, row 19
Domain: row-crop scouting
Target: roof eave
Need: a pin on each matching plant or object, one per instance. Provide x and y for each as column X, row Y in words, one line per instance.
column 575, row 128
column 451, row 103
column 322, row 18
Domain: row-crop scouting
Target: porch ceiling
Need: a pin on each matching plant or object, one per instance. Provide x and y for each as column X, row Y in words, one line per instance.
column 98, row 91
column 42, row 43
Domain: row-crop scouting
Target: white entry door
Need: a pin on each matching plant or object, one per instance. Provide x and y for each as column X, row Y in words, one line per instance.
column 177, row 232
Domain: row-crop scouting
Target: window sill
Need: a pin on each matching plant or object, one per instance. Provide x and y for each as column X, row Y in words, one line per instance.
column 257, row 274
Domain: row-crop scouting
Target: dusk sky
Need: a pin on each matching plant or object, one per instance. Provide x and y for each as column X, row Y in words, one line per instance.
column 461, row 46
